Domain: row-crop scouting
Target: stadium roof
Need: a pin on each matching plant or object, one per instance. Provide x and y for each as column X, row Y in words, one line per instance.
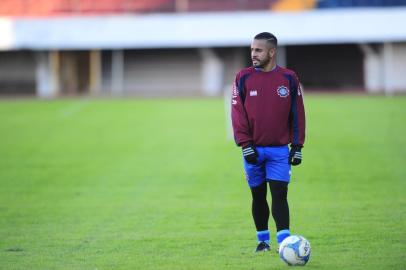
column 203, row 29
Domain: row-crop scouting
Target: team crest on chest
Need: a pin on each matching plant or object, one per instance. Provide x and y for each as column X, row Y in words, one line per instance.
column 283, row 91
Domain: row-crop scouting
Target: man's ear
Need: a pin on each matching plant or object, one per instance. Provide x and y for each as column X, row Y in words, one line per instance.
column 272, row 52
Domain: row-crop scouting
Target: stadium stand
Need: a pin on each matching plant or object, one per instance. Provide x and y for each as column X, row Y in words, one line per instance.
column 88, row 7
column 67, row 47
column 359, row 3
column 82, row 7
column 296, row 5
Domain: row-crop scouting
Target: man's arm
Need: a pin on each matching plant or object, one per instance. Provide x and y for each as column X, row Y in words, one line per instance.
column 242, row 134
column 298, row 123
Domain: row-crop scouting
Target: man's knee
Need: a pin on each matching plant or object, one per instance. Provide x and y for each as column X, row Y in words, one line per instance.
column 259, row 192
column 279, row 189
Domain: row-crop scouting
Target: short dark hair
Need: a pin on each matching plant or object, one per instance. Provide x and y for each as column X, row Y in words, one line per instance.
column 268, row 37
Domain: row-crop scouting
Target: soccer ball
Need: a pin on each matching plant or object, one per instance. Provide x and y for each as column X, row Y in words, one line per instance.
column 295, row 250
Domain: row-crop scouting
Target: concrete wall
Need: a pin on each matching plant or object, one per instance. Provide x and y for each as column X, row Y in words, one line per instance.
column 234, row 59
column 385, row 67
column 199, row 30
column 328, row 67
column 397, row 67
column 183, row 71
column 17, row 72
column 162, row 72
column 174, row 72
column 378, row 68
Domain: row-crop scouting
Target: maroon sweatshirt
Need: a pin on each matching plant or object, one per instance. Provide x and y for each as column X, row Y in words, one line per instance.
column 267, row 108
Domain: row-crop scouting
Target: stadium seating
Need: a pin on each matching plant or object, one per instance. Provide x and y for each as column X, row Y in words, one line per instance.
column 88, row 7
column 294, row 5
column 81, row 7
column 359, row 3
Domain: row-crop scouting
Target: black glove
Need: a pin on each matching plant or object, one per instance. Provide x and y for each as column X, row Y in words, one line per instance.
column 250, row 154
column 295, row 155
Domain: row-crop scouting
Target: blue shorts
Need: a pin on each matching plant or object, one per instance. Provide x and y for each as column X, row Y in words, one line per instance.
column 272, row 164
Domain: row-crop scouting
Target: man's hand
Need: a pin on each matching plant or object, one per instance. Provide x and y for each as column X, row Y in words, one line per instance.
column 295, row 155
column 250, row 154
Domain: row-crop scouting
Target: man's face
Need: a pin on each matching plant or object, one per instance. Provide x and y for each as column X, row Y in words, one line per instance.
column 261, row 53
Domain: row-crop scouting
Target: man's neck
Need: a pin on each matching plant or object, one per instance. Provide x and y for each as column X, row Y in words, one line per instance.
column 269, row 67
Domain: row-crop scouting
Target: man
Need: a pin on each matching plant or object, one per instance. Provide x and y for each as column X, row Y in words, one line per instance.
column 268, row 114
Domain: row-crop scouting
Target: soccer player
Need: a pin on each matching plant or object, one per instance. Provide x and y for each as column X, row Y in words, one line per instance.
column 268, row 115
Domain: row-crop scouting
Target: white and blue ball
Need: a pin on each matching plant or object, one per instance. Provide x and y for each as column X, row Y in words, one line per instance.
column 295, row 250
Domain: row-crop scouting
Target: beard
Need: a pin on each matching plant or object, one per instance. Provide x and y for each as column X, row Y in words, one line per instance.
column 261, row 63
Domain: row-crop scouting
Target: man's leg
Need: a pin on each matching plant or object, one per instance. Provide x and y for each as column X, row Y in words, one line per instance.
column 256, row 175
column 280, row 208
column 260, row 213
column 260, row 208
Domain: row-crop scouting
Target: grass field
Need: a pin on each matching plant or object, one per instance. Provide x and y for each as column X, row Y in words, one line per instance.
column 155, row 184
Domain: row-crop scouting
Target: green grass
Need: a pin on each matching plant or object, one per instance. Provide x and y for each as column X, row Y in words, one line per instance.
column 155, row 184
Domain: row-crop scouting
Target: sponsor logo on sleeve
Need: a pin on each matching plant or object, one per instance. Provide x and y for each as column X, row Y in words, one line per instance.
column 234, row 95
column 235, row 89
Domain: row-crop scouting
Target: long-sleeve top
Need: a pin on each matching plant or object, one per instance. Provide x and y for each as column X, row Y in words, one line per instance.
column 267, row 108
